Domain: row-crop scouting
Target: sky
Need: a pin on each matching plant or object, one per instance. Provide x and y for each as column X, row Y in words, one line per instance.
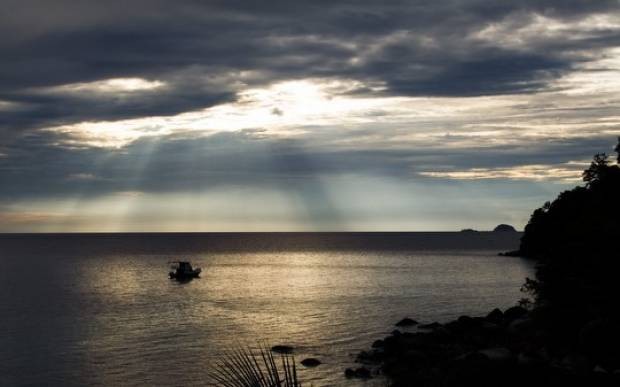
column 232, row 115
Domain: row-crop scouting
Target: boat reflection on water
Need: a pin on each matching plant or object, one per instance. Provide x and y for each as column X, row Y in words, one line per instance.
column 183, row 271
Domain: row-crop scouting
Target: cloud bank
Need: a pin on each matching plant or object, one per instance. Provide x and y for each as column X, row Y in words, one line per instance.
column 188, row 98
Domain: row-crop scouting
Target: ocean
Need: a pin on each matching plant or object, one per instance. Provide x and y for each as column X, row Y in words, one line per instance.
column 100, row 310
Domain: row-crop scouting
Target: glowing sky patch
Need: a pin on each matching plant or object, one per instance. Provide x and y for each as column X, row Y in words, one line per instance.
column 115, row 85
column 569, row 172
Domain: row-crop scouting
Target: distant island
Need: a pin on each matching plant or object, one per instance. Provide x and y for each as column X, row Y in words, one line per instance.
column 469, row 230
column 500, row 228
column 504, row 228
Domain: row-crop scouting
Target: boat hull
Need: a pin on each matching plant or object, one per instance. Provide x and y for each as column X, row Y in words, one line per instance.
column 186, row 275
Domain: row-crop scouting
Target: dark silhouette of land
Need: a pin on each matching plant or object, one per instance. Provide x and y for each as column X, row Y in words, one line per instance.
column 567, row 333
column 504, row 228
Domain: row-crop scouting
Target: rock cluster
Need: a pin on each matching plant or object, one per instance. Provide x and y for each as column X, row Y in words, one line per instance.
column 507, row 348
column 311, row 362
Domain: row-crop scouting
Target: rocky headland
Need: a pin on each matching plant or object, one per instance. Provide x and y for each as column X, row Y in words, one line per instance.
column 568, row 333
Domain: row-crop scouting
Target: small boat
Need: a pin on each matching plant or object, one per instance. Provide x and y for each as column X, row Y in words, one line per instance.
column 183, row 270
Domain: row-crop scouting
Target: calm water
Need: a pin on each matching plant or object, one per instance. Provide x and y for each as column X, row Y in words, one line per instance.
column 99, row 309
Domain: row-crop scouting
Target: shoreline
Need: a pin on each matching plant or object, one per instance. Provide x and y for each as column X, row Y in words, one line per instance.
column 505, row 348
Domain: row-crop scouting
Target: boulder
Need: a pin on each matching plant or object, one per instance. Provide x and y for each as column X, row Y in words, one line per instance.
column 600, row 369
column 530, row 359
column 496, row 316
column 361, row 373
column 367, row 357
column 576, row 362
column 521, row 326
column 406, row 322
column 600, row 338
column 283, row 349
column 498, row 354
column 466, row 321
column 310, row 362
column 433, row 325
column 472, row 357
column 442, row 333
column 378, row 344
column 514, row 313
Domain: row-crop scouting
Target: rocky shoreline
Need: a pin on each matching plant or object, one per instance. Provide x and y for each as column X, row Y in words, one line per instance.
column 505, row 348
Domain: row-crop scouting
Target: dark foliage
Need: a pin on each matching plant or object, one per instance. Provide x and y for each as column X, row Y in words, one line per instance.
column 569, row 335
column 576, row 239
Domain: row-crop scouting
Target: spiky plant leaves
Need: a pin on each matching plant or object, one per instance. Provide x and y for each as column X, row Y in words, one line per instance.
column 246, row 368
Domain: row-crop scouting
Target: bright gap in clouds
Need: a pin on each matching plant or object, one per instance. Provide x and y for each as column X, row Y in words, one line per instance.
column 114, row 85
column 280, row 109
column 323, row 115
column 567, row 172
column 293, row 108
column 297, row 107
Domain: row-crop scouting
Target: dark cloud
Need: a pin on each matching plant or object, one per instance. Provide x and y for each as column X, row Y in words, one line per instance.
column 205, row 53
column 188, row 163
column 57, row 108
column 414, row 48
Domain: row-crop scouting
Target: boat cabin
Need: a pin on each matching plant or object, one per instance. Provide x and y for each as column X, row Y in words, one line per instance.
column 183, row 269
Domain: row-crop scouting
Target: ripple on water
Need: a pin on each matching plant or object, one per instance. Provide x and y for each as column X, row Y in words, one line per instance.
column 115, row 319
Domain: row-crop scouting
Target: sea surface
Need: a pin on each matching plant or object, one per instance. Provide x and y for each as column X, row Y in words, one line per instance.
column 99, row 309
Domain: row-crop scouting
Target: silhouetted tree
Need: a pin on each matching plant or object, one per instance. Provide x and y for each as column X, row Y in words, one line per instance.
column 576, row 239
column 597, row 169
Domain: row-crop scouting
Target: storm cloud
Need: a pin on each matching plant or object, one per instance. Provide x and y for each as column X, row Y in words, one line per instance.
column 205, row 51
column 98, row 98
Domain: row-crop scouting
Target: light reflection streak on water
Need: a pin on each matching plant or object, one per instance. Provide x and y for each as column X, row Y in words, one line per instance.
column 118, row 320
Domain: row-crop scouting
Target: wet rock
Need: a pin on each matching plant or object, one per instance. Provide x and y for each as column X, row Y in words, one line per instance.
column 360, row 373
column 575, row 362
column 465, row 321
column 472, row 357
column 600, row 369
column 512, row 348
column 499, row 354
column 406, row 322
column 490, row 327
column 496, row 316
column 310, row 362
column 514, row 313
column 416, row 357
column 442, row 333
column 366, row 357
column 283, row 349
column 530, row 359
column 521, row 326
column 433, row 325
column 600, row 338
